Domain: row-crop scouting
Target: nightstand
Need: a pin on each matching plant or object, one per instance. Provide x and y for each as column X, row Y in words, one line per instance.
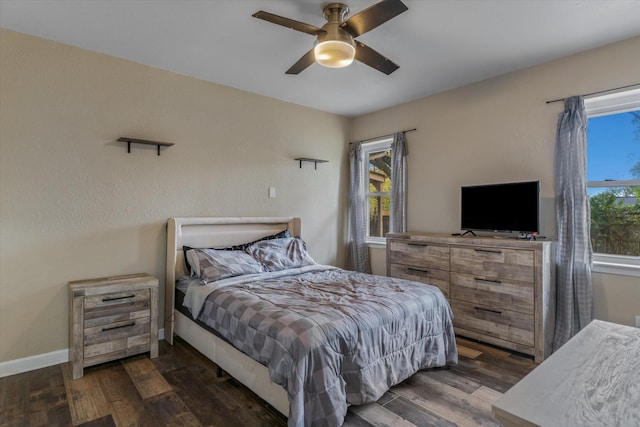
column 111, row 318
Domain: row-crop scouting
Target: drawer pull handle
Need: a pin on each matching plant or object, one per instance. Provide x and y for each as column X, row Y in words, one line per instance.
column 488, row 311
column 493, row 282
column 126, row 325
column 417, row 244
column 117, row 298
column 418, row 270
column 488, row 251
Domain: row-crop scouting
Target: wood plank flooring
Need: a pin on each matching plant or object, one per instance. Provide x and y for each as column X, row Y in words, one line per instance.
column 180, row 388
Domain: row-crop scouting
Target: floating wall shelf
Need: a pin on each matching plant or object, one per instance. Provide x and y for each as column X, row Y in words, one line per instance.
column 144, row 142
column 314, row 161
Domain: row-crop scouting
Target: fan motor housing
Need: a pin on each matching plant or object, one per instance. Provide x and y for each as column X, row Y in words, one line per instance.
column 335, row 14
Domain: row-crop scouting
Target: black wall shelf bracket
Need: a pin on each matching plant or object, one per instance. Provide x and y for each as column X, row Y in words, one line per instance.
column 144, row 142
column 314, row 161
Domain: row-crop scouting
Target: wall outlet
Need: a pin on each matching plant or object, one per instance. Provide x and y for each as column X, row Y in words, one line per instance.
column 637, row 321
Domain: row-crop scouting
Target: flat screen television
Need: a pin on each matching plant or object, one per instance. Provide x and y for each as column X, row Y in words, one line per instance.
column 505, row 207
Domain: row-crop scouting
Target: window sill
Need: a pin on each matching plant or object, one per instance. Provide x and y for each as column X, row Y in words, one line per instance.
column 616, row 268
column 377, row 245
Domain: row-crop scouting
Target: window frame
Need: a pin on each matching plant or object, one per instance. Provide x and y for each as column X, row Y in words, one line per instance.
column 604, row 105
column 383, row 144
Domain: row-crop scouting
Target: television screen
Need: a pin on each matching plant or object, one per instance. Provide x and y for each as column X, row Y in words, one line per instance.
column 511, row 207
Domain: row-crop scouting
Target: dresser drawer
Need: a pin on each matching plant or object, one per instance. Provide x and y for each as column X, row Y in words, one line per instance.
column 494, row 263
column 427, row 255
column 499, row 323
column 434, row 277
column 495, row 293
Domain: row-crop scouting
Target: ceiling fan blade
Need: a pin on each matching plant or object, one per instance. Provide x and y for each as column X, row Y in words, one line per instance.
column 373, row 16
column 373, row 59
column 308, row 59
column 289, row 23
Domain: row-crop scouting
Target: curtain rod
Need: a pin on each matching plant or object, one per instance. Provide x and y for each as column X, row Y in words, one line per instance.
column 384, row 136
column 598, row 92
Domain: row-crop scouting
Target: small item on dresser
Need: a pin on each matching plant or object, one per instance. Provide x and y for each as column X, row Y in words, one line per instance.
column 111, row 318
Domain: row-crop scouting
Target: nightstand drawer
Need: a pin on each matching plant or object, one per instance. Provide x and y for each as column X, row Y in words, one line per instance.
column 116, row 336
column 114, row 300
column 110, row 308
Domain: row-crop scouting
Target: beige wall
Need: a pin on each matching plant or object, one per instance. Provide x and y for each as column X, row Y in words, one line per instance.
column 74, row 204
column 617, row 298
column 500, row 130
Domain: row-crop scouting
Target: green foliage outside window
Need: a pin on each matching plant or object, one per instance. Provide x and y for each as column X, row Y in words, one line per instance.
column 615, row 222
column 386, row 202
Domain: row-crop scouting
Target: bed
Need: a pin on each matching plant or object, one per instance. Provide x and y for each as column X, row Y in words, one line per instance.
column 285, row 331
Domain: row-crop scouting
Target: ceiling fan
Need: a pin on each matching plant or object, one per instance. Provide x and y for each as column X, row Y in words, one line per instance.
column 335, row 45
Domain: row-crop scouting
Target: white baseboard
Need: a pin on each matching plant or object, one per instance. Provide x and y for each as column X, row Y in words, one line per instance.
column 30, row 363
column 38, row 361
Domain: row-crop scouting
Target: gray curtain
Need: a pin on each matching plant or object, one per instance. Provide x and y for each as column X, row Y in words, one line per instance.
column 399, row 151
column 357, row 250
column 574, row 297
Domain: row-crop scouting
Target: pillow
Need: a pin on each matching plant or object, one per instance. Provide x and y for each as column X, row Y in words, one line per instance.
column 211, row 264
column 282, row 234
column 280, row 254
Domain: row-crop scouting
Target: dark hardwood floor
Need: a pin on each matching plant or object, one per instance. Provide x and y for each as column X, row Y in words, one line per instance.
column 180, row 388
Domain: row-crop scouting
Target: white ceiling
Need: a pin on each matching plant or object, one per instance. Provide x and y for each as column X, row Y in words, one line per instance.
column 438, row 44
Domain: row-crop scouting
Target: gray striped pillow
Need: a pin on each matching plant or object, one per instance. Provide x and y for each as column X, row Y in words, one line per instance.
column 281, row 254
column 212, row 264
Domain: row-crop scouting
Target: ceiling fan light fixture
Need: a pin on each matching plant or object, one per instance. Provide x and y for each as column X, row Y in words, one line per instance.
column 335, row 46
column 334, row 53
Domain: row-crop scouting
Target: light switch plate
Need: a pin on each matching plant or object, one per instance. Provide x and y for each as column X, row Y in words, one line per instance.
column 272, row 192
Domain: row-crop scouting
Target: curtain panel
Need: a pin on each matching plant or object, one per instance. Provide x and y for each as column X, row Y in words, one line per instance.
column 574, row 256
column 399, row 151
column 357, row 250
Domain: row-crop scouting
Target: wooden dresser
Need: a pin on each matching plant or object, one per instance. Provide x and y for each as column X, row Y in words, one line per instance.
column 502, row 291
column 111, row 318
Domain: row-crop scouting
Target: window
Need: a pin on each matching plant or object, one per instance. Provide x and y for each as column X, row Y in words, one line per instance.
column 377, row 160
column 613, row 180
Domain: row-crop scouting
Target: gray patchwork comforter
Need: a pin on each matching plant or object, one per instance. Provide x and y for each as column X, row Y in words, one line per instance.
column 330, row 337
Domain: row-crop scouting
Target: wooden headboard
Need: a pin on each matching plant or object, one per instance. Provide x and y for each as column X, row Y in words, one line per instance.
column 212, row 233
